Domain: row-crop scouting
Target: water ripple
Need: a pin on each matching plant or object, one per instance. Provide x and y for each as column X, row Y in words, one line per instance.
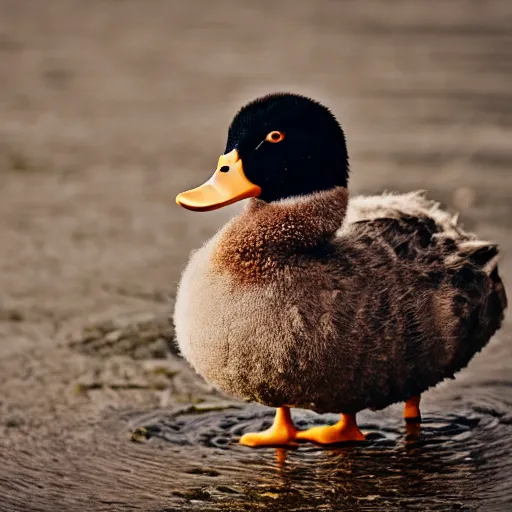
column 454, row 461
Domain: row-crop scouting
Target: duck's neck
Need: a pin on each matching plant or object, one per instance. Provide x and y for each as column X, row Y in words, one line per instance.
column 268, row 236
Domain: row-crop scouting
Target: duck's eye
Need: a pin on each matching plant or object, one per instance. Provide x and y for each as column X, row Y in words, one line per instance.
column 274, row 136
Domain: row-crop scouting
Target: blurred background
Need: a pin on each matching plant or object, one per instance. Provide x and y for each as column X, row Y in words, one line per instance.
column 109, row 108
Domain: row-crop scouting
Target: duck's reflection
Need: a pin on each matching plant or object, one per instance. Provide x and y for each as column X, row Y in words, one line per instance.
column 374, row 475
column 436, row 465
column 412, row 432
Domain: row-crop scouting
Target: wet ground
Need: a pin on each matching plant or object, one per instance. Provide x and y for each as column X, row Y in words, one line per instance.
column 107, row 110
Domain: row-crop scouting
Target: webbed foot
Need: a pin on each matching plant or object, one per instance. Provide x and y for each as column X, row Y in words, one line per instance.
column 345, row 430
column 281, row 433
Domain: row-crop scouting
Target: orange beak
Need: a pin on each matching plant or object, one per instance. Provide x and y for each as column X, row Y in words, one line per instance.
column 227, row 185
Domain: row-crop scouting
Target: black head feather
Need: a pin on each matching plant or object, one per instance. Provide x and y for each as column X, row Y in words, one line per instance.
column 312, row 156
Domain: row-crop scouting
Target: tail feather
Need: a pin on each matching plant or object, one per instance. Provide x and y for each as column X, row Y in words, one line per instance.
column 482, row 254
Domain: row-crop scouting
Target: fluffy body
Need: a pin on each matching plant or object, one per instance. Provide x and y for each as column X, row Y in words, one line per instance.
column 334, row 305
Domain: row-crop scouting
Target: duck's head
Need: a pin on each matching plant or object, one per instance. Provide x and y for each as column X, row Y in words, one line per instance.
column 278, row 146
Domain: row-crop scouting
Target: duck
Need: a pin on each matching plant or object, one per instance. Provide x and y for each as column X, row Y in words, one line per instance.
column 312, row 299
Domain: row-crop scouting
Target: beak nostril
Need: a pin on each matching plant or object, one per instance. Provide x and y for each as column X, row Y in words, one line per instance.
column 224, row 168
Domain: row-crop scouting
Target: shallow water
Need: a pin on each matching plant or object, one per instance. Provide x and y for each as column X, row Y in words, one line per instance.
column 106, row 120
column 456, row 460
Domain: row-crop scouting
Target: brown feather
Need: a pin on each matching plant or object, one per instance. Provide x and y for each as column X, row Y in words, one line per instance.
column 309, row 302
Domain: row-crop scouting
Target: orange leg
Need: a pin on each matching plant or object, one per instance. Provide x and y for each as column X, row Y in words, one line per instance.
column 281, row 433
column 412, row 408
column 345, row 430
